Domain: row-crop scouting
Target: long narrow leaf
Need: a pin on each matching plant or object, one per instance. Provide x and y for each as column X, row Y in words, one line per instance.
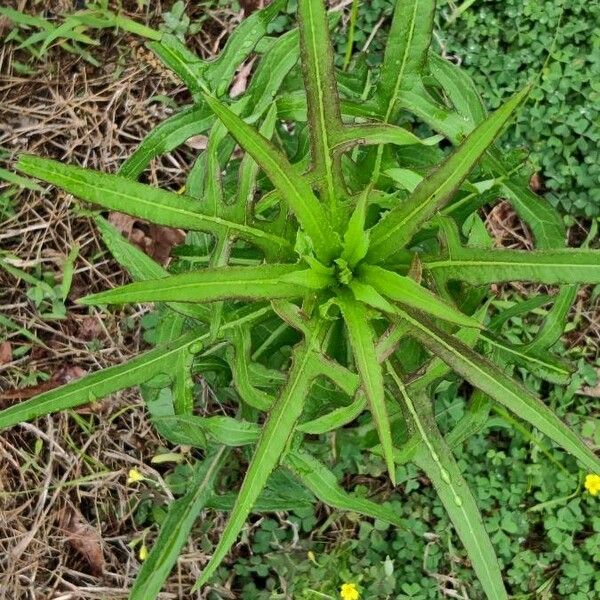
column 362, row 340
column 397, row 228
column 209, row 285
column 323, row 484
column 292, row 186
column 176, row 529
column 275, row 435
column 158, row 206
column 321, row 92
column 407, row 291
column 487, row 377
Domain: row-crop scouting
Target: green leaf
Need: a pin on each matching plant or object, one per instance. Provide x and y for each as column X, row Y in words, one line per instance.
column 436, row 459
column 292, row 186
column 407, row 291
column 100, row 384
column 121, row 194
column 481, row 266
column 167, row 136
column 141, row 267
column 182, row 61
column 397, row 228
column 323, row 484
column 367, row 134
column 541, row 364
column 176, row 529
column 208, row 285
column 362, row 340
column 406, row 52
column 193, row 430
column 241, row 43
column 270, row 74
column 274, row 438
column 487, row 377
column 322, row 96
column 460, row 89
column 335, row 419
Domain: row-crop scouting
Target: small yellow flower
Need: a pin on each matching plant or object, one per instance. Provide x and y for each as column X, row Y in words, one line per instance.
column 134, row 476
column 349, row 591
column 592, row 484
column 143, row 554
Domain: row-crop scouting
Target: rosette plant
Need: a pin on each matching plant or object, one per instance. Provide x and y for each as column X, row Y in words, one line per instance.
column 335, row 272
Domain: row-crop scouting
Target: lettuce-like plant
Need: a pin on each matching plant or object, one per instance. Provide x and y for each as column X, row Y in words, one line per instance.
column 336, row 271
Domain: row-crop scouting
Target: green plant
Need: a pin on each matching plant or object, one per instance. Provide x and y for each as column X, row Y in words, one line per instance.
column 344, row 273
column 560, row 127
column 36, row 35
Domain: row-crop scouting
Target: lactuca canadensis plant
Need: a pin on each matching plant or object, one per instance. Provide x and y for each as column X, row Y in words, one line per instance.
column 336, row 271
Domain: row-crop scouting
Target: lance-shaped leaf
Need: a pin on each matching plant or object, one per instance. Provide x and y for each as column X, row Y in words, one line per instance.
column 321, row 92
column 292, row 186
column 480, row 266
column 167, row 136
column 208, row 285
column 397, row 228
column 141, row 267
column 274, row 438
column 378, row 133
column 158, row 206
column 407, row 291
column 543, row 364
column 241, row 43
column 406, row 52
column 182, row 61
column 487, row 377
column 272, row 69
column 436, row 459
column 193, row 430
column 176, row 529
column 100, row 384
column 362, row 340
column 323, row 484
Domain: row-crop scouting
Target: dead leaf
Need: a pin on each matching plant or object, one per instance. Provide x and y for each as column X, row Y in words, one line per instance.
column 89, row 328
column 240, row 83
column 154, row 240
column 198, row 142
column 536, row 183
column 5, row 353
column 84, row 539
column 251, row 6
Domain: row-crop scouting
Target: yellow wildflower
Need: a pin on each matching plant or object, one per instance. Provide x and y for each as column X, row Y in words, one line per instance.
column 134, row 476
column 592, row 484
column 143, row 552
column 349, row 591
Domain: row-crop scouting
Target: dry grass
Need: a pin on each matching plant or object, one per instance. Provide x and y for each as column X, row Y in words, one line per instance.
column 64, row 477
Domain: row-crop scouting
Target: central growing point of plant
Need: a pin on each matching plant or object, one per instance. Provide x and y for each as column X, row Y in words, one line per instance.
column 345, row 236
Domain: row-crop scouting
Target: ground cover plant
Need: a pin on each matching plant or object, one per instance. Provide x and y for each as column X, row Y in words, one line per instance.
column 344, row 272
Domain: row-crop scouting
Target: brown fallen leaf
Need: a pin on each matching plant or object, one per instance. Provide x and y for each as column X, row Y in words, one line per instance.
column 155, row 240
column 240, row 83
column 84, row 539
column 251, row 6
column 5, row 353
